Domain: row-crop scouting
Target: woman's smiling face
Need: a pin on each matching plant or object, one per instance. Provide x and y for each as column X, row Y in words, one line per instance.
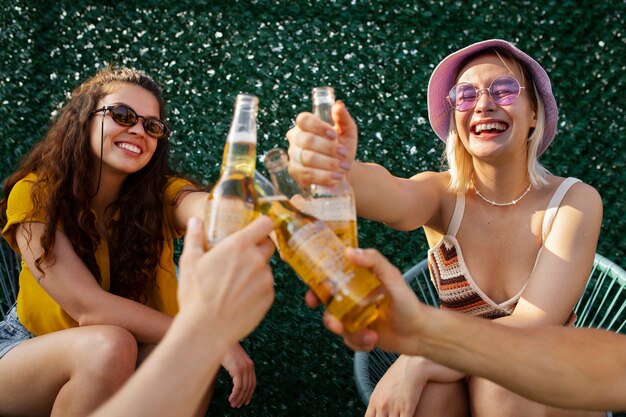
column 125, row 149
column 490, row 130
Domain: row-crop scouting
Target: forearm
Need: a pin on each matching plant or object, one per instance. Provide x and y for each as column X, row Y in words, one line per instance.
column 554, row 365
column 376, row 190
column 145, row 323
column 70, row 283
column 175, row 377
column 190, row 204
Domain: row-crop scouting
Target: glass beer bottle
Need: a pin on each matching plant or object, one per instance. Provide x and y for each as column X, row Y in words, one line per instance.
column 334, row 205
column 277, row 162
column 231, row 205
column 351, row 293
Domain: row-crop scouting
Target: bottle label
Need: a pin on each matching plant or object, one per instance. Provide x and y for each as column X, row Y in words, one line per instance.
column 319, row 257
column 331, row 208
column 225, row 216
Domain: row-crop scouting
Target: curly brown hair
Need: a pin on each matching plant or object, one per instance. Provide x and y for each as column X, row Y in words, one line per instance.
column 62, row 161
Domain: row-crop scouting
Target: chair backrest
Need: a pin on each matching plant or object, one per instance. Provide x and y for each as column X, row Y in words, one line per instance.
column 602, row 305
column 418, row 277
column 9, row 274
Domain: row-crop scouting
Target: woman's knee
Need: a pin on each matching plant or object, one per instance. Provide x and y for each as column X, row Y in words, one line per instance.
column 490, row 399
column 107, row 351
column 443, row 399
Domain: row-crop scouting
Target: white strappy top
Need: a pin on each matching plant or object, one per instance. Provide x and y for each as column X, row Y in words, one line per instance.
column 455, row 285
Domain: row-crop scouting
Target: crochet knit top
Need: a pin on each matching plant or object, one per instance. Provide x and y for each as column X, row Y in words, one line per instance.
column 456, row 287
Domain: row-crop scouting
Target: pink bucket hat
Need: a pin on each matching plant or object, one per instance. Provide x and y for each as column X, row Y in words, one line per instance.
column 444, row 77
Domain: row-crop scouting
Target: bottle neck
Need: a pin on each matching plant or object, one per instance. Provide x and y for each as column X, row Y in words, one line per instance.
column 239, row 157
column 278, row 169
column 240, row 150
column 277, row 165
column 323, row 100
column 323, row 110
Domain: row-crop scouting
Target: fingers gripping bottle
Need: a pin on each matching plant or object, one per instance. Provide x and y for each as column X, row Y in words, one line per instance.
column 351, row 293
column 333, row 205
column 231, row 205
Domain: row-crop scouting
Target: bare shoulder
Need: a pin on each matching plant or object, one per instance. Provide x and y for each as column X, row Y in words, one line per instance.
column 576, row 228
column 581, row 205
column 437, row 185
column 441, row 199
column 433, row 186
column 581, row 196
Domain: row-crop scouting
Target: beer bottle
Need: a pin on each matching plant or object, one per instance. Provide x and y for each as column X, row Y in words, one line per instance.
column 351, row 293
column 276, row 161
column 231, row 205
column 334, row 205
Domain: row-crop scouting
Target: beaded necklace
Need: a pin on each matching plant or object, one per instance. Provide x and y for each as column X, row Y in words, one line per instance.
column 510, row 203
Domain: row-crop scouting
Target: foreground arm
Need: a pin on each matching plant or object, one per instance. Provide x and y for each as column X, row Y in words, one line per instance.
column 563, row 367
column 233, row 279
column 236, row 361
column 572, row 368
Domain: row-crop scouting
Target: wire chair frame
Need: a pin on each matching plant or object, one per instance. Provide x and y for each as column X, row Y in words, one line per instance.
column 9, row 273
column 603, row 303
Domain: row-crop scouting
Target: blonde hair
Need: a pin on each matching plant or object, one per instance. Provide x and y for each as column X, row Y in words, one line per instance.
column 458, row 159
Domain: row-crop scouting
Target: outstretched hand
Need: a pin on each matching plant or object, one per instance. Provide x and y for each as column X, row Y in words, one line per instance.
column 398, row 325
column 314, row 154
column 231, row 280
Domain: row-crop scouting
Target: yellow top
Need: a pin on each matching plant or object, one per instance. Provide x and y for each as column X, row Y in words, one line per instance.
column 37, row 310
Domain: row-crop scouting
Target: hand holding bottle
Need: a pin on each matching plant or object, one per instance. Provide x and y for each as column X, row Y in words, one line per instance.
column 400, row 322
column 334, row 204
column 319, row 152
column 232, row 280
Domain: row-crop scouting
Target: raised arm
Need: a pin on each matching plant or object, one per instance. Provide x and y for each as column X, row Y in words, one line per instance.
column 70, row 283
column 315, row 157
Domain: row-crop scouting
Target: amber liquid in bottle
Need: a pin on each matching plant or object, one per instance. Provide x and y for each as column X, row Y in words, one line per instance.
column 231, row 204
column 351, row 293
column 345, row 230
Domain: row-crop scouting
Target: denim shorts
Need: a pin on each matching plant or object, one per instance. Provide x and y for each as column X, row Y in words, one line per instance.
column 12, row 333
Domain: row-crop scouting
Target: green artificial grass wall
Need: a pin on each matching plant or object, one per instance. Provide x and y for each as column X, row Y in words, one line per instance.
column 378, row 55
